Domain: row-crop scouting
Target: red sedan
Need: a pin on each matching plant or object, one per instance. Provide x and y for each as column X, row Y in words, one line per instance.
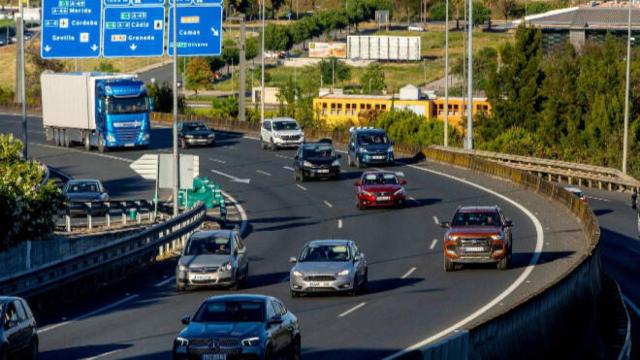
column 380, row 189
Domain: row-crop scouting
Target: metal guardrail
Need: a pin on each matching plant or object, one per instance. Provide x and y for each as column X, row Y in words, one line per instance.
column 128, row 250
column 126, row 210
column 559, row 171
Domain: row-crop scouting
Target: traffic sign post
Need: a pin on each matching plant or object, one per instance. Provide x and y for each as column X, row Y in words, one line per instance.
column 199, row 30
column 70, row 29
column 133, row 31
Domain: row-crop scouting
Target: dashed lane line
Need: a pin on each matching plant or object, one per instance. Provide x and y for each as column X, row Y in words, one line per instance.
column 217, row 160
column 288, row 168
column 100, row 356
column 352, row 309
column 340, row 224
column 435, row 220
column 433, row 244
column 165, row 281
column 406, row 275
column 329, row 205
column 263, row 173
column 301, row 187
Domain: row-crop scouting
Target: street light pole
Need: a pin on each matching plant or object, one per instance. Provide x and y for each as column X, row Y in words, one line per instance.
column 23, row 92
column 446, row 74
column 176, row 162
column 262, row 72
column 625, row 139
column 470, row 78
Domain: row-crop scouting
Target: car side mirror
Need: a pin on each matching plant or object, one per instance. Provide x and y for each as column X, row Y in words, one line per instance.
column 357, row 183
column 293, row 260
column 445, row 225
column 403, row 182
column 357, row 258
column 185, row 320
column 296, row 157
column 276, row 320
column 235, row 252
column 508, row 223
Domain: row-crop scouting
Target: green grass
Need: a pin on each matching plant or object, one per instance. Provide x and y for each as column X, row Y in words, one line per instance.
column 7, row 22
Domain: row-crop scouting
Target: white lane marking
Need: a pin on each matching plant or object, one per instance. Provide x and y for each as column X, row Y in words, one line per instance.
column 230, row 147
column 301, row 187
column 521, row 279
column 327, row 203
column 433, row 244
column 598, row 198
column 217, row 160
column 243, row 215
column 284, row 157
column 288, row 168
column 633, row 306
column 406, row 275
column 84, row 152
column 339, row 223
column 89, row 314
column 263, row 173
column 231, row 177
column 412, row 198
column 102, row 355
column 435, row 220
column 245, row 136
column 165, row 281
column 352, row 309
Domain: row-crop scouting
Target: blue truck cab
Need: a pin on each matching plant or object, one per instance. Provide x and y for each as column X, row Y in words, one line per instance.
column 369, row 146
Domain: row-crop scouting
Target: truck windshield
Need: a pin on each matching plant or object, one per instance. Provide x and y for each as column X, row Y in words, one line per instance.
column 127, row 105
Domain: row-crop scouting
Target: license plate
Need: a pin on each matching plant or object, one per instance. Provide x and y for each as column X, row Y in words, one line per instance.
column 323, row 171
column 319, row 284
column 474, row 249
column 383, row 198
column 129, row 145
column 379, row 157
column 214, row 357
column 202, row 277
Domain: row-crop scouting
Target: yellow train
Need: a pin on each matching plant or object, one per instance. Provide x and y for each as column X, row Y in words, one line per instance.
column 339, row 109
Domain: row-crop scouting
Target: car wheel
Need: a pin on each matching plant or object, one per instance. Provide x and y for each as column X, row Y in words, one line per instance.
column 180, row 287
column 302, row 178
column 268, row 353
column 4, row 355
column 294, row 294
column 263, row 144
column 359, row 163
column 272, row 145
column 349, row 161
column 354, row 290
column 183, row 144
column 236, row 284
column 364, row 288
column 449, row 266
column 360, row 205
column 503, row 264
column 33, row 352
column 295, row 349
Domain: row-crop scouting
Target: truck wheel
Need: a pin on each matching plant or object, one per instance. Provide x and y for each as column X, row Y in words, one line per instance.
column 449, row 266
column 101, row 147
column 66, row 139
column 56, row 137
column 87, row 141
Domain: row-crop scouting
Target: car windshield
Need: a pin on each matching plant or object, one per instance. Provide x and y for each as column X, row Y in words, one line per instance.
column 127, row 105
column 479, row 218
column 83, row 187
column 209, row 246
column 373, row 139
column 318, row 150
column 285, row 125
column 230, row 311
column 195, row 127
column 380, row 179
column 322, row 253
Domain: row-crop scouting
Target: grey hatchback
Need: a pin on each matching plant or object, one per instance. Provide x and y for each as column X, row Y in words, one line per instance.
column 18, row 333
column 212, row 258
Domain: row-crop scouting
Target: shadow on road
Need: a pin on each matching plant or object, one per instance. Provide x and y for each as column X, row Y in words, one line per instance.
column 81, row 352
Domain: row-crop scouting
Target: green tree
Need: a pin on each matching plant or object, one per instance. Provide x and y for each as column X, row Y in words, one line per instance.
column 27, row 205
column 277, row 38
column 485, row 62
column 251, row 48
column 106, row 67
column 372, row 80
column 198, row 74
column 287, row 97
column 407, row 127
column 225, row 108
column 162, row 96
column 332, row 67
column 506, row 7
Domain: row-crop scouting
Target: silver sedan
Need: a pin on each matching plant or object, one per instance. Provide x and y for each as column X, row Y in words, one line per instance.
column 329, row 265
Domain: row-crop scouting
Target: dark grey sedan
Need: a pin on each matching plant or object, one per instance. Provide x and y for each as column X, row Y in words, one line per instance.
column 212, row 258
column 18, row 333
column 329, row 265
column 239, row 327
column 79, row 192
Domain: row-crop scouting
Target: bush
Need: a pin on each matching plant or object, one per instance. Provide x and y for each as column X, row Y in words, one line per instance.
column 27, row 207
column 6, row 96
column 409, row 128
column 225, row 108
column 163, row 97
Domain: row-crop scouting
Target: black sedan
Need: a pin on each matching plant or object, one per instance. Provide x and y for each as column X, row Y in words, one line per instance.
column 195, row 133
column 18, row 333
column 316, row 160
column 239, row 327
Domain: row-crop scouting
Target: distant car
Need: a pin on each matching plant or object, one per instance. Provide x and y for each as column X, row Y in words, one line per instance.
column 18, row 333
column 578, row 193
column 212, row 258
column 329, row 265
column 369, row 146
column 316, row 160
column 478, row 234
column 380, row 189
column 416, row 27
column 280, row 132
column 239, row 327
column 195, row 133
column 80, row 191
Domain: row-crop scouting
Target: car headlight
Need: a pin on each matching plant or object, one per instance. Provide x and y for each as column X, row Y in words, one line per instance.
column 390, row 149
column 182, row 267
column 111, row 138
column 453, row 237
column 146, row 136
column 212, row 135
column 226, row 266
column 366, row 193
column 344, row 272
column 335, row 163
column 297, row 273
column 399, row 192
column 276, row 135
column 496, row 237
column 252, row 341
column 181, row 345
column 307, row 164
column 189, row 136
column 363, row 150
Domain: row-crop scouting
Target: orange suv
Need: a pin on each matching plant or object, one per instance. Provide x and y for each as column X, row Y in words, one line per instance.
column 477, row 234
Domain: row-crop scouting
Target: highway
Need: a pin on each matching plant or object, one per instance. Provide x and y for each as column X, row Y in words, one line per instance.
column 411, row 298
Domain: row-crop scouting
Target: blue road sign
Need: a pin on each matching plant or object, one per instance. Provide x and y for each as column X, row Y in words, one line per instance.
column 133, row 31
column 133, row 2
column 199, row 31
column 70, row 29
column 197, row 2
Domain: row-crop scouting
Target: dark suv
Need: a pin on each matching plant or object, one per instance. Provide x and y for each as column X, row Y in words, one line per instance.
column 239, row 327
column 316, row 160
column 477, row 234
column 18, row 334
column 369, row 146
